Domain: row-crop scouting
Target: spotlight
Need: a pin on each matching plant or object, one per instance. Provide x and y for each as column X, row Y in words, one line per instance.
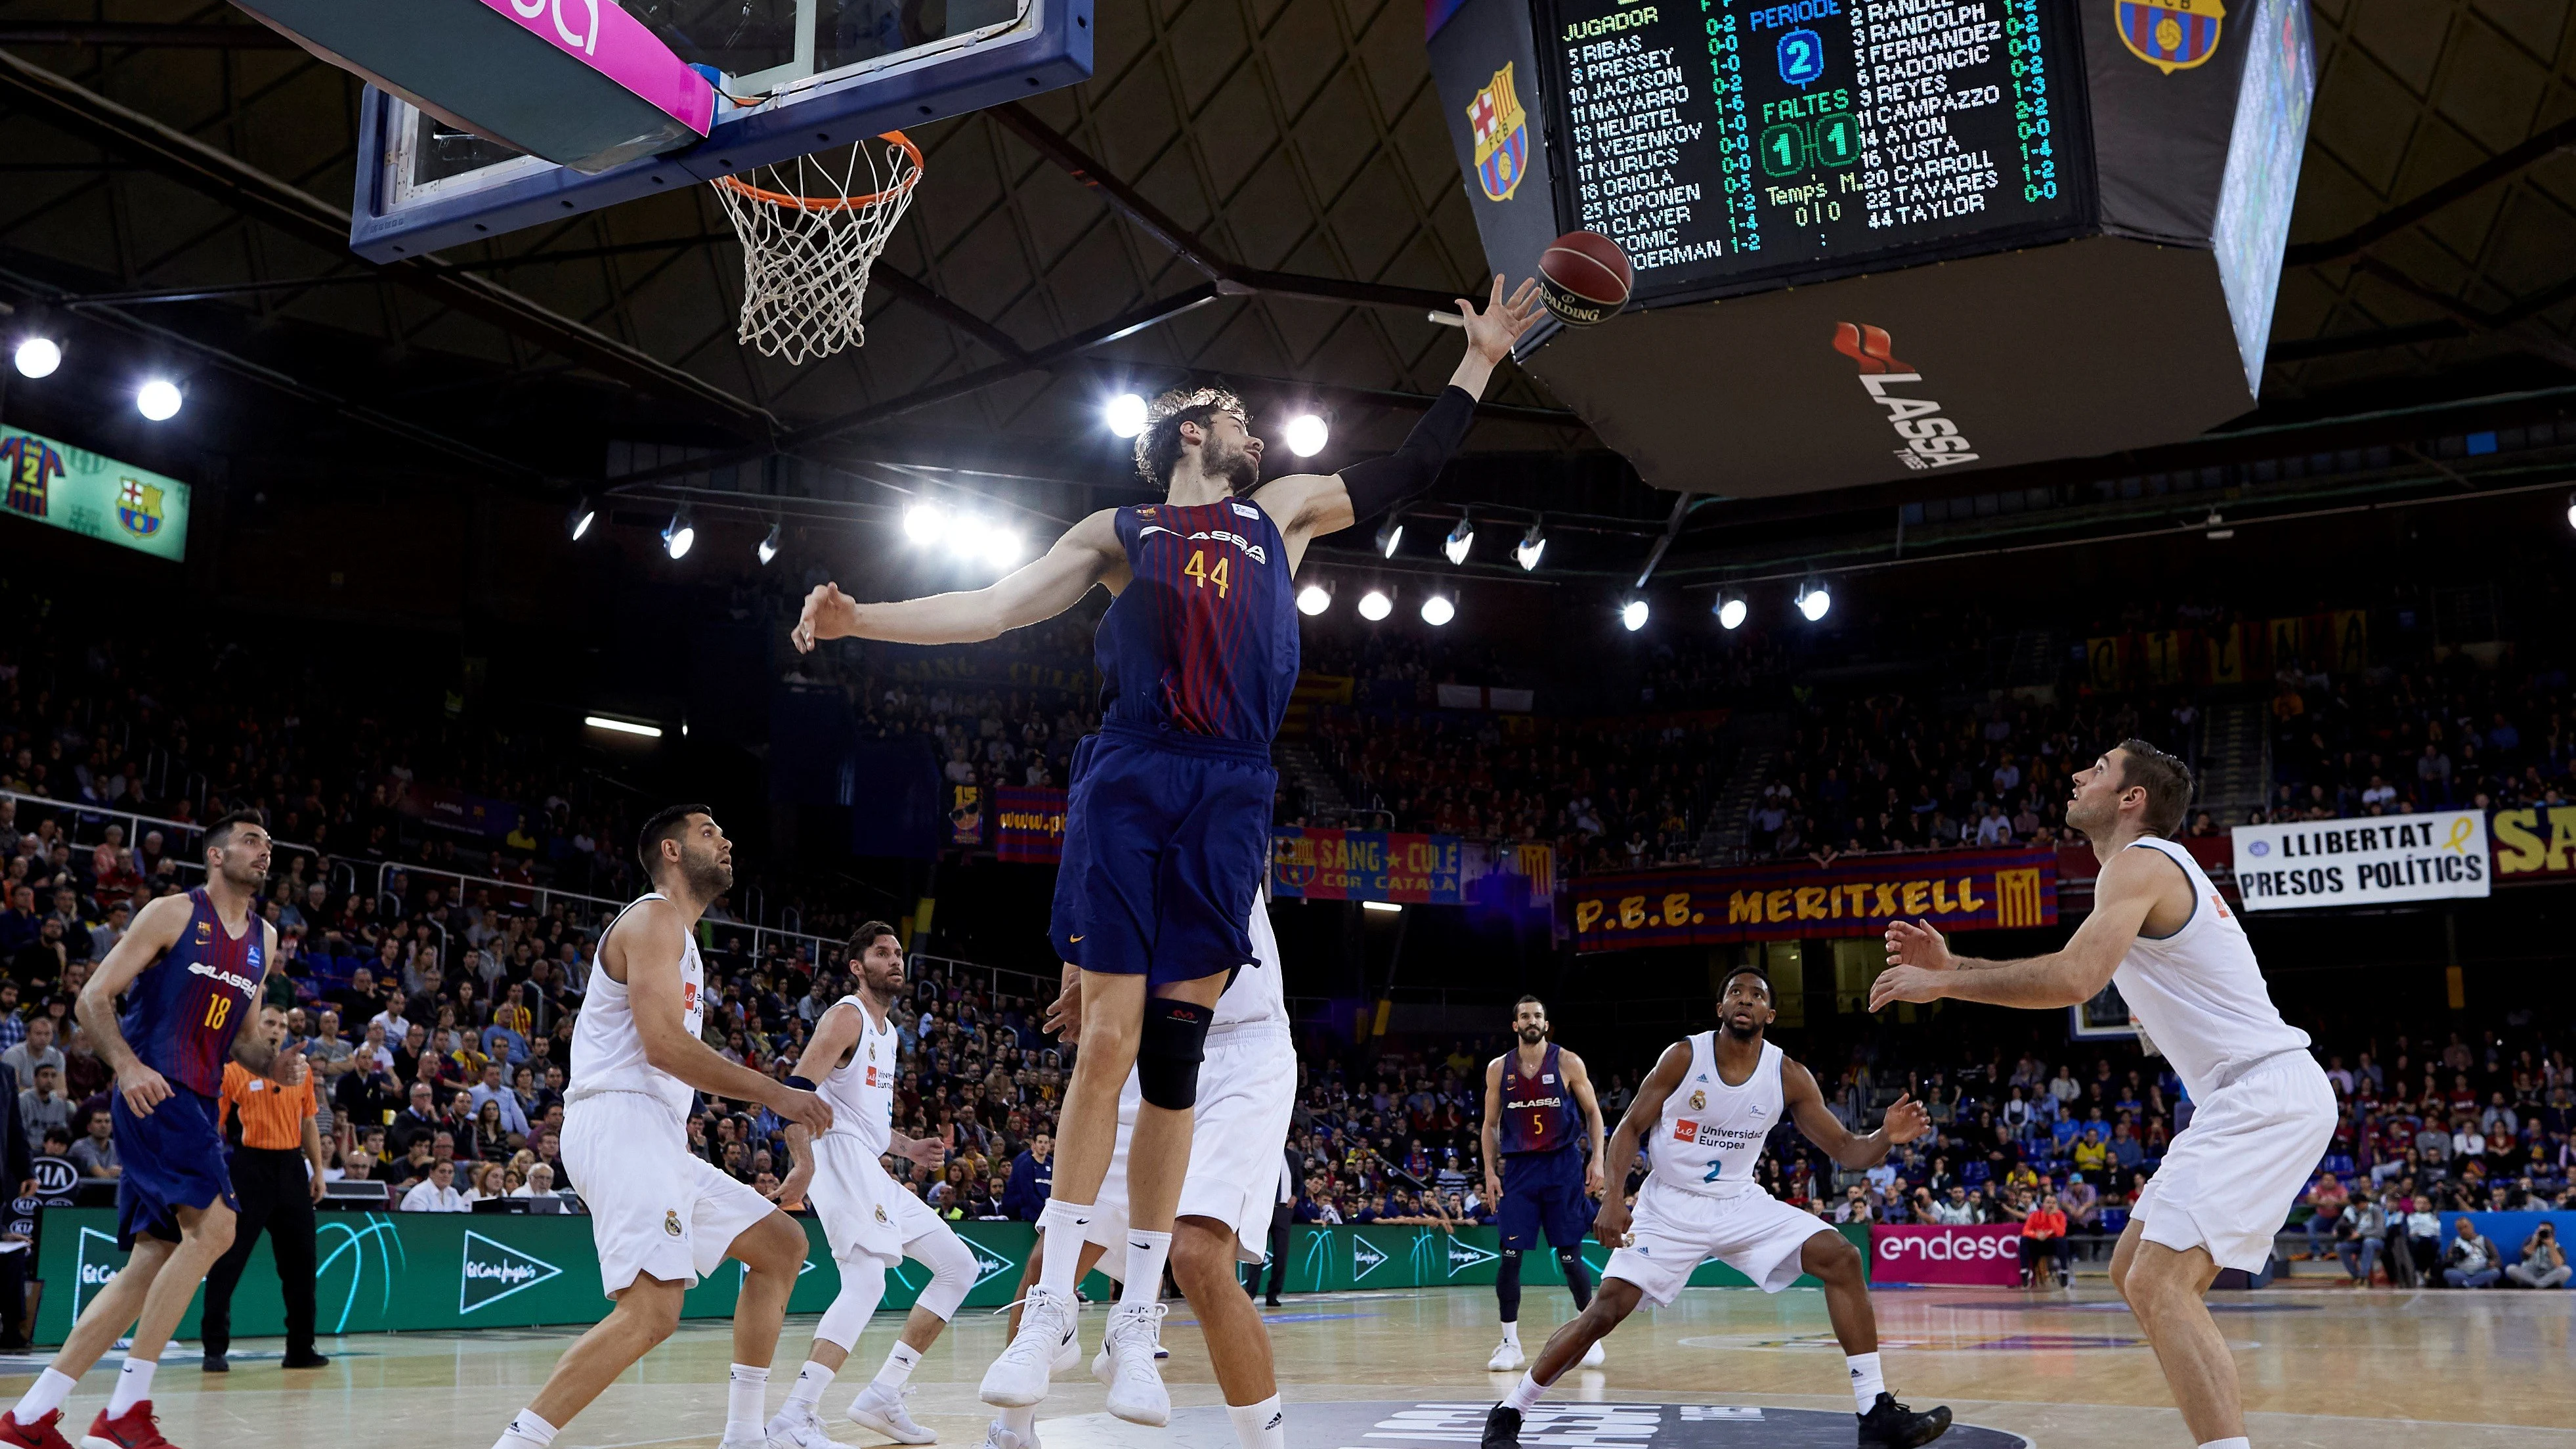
column 1632, row 614
column 1005, row 547
column 1314, row 599
column 925, row 523
column 1306, row 434
column 584, row 514
column 1460, row 539
column 1438, row 610
column 769, row 546
column 1814, row 599
column 158, row 400
column 1730, row 609
column 1532, row 544
column 1125, row 414
column 1375, row 605
column 39, row 356
column 2216, row 524
column 615, row 725
column 1389, row 534
column 679, row 536
column 1392, row 908
column 2571, row 510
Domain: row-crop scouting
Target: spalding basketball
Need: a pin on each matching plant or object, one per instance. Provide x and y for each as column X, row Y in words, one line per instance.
column 1584, row 278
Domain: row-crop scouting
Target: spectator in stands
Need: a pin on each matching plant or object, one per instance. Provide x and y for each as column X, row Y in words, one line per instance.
column 2043, row 1239
column 95, row 1153
column 436, row 1192
column 2082, row 1202
column 1032, row 1179
column 2325, row 1203
column 2544, row 1260
column 2472, row 1261
column 43, row 1108
column 1956, row 1209
column 38, row 1050
column 2359, row 1232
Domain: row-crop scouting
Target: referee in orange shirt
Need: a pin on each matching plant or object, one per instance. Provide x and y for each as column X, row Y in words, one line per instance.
column 277, row 1174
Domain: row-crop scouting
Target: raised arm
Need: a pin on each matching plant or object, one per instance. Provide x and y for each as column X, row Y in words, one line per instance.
column 1579, row 1082
column 1906, row 1120
column 1610, row 1225
column 1087, row 554
column 647, row 943
column 1921, row 968
column 835, row 1032
column 156, row 929
column 1490, row 1135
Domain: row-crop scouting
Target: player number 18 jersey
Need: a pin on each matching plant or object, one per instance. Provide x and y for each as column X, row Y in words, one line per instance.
column 1711, row 1134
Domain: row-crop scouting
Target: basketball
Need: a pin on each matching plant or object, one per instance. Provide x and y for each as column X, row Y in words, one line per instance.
column 1584, row 277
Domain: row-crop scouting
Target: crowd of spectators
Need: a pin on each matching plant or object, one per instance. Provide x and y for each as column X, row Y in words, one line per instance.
column 2438, row 737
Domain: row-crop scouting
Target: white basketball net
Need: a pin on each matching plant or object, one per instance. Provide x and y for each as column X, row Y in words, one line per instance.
column 810, row 229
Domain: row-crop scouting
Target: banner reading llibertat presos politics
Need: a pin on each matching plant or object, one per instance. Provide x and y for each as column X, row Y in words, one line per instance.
column 2441, row 854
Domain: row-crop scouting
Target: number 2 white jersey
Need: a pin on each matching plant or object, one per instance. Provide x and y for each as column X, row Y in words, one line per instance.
column 608, row 1052
column 2199, row 993
column 861, row 1090
column 1711, row 1134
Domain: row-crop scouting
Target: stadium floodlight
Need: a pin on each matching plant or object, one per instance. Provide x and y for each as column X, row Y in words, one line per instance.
column 679, row 535
column 968, row 536
column 1814, row 599
column 38, row 357
column 1375, row 605
column 768, row 548
column 1461, row 539
column 2218, row 529
column 1392, row 908
column 2571, row 510
column 1314, row 599
column 1004, row 547
column 1306, row 435
column 1389, row 535
column 1532, row 544
column 925, row 523
column 1125, row 414
column 584, row 514
column 158, row 399
column 1730, row 609
column 614, row 725
column 1632, row 615
column 1438, row 609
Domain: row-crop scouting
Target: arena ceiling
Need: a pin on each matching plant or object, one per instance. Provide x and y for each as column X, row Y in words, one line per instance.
column 1260, row 189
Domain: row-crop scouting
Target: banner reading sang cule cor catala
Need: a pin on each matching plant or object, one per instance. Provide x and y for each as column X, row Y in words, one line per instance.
column 1957, row 890
column 1366, row 865
column 1030, row 824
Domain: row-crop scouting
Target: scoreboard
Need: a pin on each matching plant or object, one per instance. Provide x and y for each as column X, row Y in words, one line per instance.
column 1732, row 145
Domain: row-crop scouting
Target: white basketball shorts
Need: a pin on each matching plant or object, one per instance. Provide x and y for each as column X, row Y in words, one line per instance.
column 1671, row 1233
column 1238, row 1131
column 2229, row 1179
column 654, row 1209
column 862, row 1208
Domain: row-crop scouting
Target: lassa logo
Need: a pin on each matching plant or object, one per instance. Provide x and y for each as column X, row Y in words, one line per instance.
column 1931, row 440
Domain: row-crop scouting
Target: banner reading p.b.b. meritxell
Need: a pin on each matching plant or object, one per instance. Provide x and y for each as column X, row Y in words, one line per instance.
column 1855, row 895
column 2368, row 861
column 92, row 495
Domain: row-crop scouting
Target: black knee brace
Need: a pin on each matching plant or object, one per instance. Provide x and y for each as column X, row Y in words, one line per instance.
column 1168, row 1052
column 1577, row 1278
column 1507, row 1284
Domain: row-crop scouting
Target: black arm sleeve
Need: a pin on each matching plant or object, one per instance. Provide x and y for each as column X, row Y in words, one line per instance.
column 1379, row 484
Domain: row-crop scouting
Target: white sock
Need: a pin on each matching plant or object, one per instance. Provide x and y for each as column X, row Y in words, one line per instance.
column 1867, row 1384
column 2239, row 1442
column 1022, row 1422
column 1512, row 1334
column 811, row 1381
column 1146, row 1253
column 526, row 1430
column 898, row 1366
column 133, row 1386
column 1259, row 1426
column 44, row 1396
column 1060, row 1224
column 747, row 1403
column 1525, row 1394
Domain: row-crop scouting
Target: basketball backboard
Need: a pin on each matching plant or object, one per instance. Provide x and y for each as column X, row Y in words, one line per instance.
column 832, row 72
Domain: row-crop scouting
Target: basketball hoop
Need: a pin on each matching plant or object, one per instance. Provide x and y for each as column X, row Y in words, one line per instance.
column 809, row 237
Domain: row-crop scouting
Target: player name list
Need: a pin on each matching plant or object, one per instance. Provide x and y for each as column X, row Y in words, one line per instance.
column 1711, row 137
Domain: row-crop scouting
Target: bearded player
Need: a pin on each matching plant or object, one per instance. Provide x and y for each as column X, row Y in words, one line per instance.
column 1537, row 1098
column 2265, row 1111
column 1167, row 824
column 1710, row 1105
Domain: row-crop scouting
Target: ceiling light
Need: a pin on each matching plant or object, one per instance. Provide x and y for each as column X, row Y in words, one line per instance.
column 925, row 523
column 1392, row 908
column 2219, row 532
column 158, row 400
column 39, row 356
column 1814, row 599
column 1306, row 434
column 1125, row 414
column 769, row 546
column 1313, row 600
column 1438, row 610
column 1460, row 539
column 1633, row 615
column 622, row 726
column 584, row 514
column 1730, row 609
column 967, row 536
column 1389, row 535
column 1005, row 547
column 679, row 535
column 1375, row 605
column 1532, row 544
column 2571, row 510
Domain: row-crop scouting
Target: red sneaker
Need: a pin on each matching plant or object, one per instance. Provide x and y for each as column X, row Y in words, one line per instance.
column 45, row 1433
column 134, row 1429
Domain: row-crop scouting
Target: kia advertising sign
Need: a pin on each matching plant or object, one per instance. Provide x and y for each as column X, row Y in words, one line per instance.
column 1985, row 1256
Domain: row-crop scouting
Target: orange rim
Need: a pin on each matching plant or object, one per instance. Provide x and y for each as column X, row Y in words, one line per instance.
column 834, row 203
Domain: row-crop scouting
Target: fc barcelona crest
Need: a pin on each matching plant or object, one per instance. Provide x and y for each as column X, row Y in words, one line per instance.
column 2171, row 35
column 138, row 507
column 1502, row 137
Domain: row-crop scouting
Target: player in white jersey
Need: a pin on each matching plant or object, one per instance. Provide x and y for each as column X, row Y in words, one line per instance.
column 661, row 1218
column 1247, row 1092
column 1703, row 1115
column 2263, row 1109
column 871, row 1220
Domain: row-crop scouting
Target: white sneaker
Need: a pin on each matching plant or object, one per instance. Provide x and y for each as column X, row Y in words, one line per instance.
column 877, row 1409
column 1593, row 1357
column 1507, row 1357
column 1067, row 1358
column 1018, row 1379
column 797, row 1427
column 1126, row 1365
column 997, row 1437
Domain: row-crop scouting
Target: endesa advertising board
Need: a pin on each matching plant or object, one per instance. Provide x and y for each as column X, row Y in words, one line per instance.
column 1986, row 1255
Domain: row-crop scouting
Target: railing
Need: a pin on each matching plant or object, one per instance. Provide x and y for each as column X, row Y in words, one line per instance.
column 86, row 825
column 1041, row 988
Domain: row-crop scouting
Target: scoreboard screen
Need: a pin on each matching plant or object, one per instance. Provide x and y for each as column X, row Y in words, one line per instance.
column 1729, row 145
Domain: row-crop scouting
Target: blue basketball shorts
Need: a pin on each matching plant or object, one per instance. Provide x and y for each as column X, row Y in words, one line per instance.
column 1166, row 837
column 1543, row 1193
column 172, row 1159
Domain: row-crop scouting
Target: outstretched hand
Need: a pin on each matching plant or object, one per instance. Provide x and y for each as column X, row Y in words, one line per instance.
column 1918, row 960
column 829, row 614
column 1491, row 332
column 1906, row 1119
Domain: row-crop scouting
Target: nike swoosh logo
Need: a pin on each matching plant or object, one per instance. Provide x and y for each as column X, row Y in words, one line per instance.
column 1073, row 938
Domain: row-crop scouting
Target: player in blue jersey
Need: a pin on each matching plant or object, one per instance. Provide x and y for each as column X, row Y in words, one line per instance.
column 1539, row 1175
column 1168, row 819
column 191, row 969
